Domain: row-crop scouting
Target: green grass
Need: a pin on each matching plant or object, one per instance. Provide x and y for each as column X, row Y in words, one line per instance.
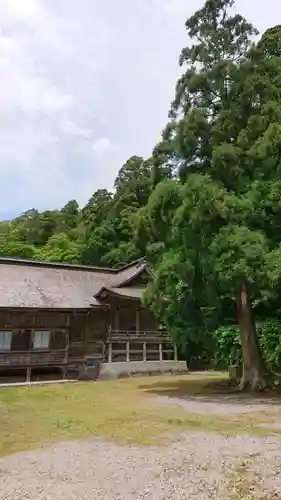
column 122, row 410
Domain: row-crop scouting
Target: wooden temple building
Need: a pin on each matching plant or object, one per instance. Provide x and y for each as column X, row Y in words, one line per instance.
column 68, row 318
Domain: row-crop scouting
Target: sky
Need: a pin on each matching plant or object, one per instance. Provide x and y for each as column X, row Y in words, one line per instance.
column 84, row 85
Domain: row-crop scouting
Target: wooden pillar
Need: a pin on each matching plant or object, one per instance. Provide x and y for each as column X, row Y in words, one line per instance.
column 86, row 327
column 175, row 353
column 160, row 352
column 144, row 351
column 128, row 351
column 116, row 319
column 31, row 336
column 103, row 350
column 137, row 321
column 28, row 374
column 66, row 348
column 110, row 352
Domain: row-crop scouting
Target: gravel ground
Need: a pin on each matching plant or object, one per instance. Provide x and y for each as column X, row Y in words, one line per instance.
column 220, row 405
column 197, row 466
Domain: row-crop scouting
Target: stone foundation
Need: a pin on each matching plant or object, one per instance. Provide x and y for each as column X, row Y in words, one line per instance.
column 139, row 368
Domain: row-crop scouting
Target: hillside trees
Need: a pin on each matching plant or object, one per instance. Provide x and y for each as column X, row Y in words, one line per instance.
column 99, row 234
column 44, row 235
column 225, row 124
column 109, row 219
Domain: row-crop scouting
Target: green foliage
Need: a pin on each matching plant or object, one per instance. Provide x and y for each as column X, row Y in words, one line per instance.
column 224, row 141
column 183, row 218
column 110, row 219
column 238, row 253
column 219, row 42
column 59, row 248
column 270, row 340
column 227, row 348
column 71, row 214
column 101, row 234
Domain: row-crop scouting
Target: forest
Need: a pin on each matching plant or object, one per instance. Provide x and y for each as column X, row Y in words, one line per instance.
column 204, row 208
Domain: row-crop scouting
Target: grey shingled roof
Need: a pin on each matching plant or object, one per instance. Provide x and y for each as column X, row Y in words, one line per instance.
column 125, row 292
column 26, row 284
column 133, row 292
column 125, row 275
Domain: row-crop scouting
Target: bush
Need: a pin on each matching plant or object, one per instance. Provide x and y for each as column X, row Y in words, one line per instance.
column 269, row 332
column 198, row 355
column 228, row 345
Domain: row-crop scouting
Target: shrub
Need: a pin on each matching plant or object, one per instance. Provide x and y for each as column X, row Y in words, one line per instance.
column 269, row 332
column 228, row 345
column 198, row 354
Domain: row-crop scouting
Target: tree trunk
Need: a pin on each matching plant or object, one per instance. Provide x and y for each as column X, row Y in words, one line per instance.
column 254, row 370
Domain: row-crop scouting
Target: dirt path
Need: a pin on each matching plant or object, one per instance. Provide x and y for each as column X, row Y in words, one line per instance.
column 222, row 404
column 196, row 465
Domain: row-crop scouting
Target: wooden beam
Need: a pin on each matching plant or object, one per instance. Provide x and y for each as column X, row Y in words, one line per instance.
column 66, row 352
column 128, row 351
column 116, row 319
column 31, row 337
column 160, row 352
column 144, row 351
column 28, row 374
column 137, row 321
column 110, row 352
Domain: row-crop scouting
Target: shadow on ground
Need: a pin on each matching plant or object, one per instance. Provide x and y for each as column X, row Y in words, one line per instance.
column 208, row 390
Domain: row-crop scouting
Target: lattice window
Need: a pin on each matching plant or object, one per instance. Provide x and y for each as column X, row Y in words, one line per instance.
column 41, row 339
column 5, row 340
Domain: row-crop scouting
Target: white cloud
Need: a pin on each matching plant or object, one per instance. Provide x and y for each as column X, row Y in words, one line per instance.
column 102, row 145
column 174, row 6
column 28, row 10
column 84, row 85
column 70, row 127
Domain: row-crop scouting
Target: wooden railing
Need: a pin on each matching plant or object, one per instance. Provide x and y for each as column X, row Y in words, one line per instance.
column 142, row 346
column 142, row 336
column 32, row 358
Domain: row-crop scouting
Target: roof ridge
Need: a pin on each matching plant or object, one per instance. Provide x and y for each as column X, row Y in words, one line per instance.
column 55, row 265
column 67, row 265
column 141, row 260
column 129, row 292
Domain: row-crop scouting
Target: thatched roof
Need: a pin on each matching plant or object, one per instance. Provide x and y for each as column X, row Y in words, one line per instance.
column 30, row 284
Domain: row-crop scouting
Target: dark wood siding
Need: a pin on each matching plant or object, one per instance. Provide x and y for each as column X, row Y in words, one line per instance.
column 76, row 336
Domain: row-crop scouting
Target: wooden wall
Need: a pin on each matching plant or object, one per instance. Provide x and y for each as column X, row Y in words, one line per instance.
column 23, row 323
column 75, row 336
column 28, row 320
column 87, row 335
column 123, row 316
